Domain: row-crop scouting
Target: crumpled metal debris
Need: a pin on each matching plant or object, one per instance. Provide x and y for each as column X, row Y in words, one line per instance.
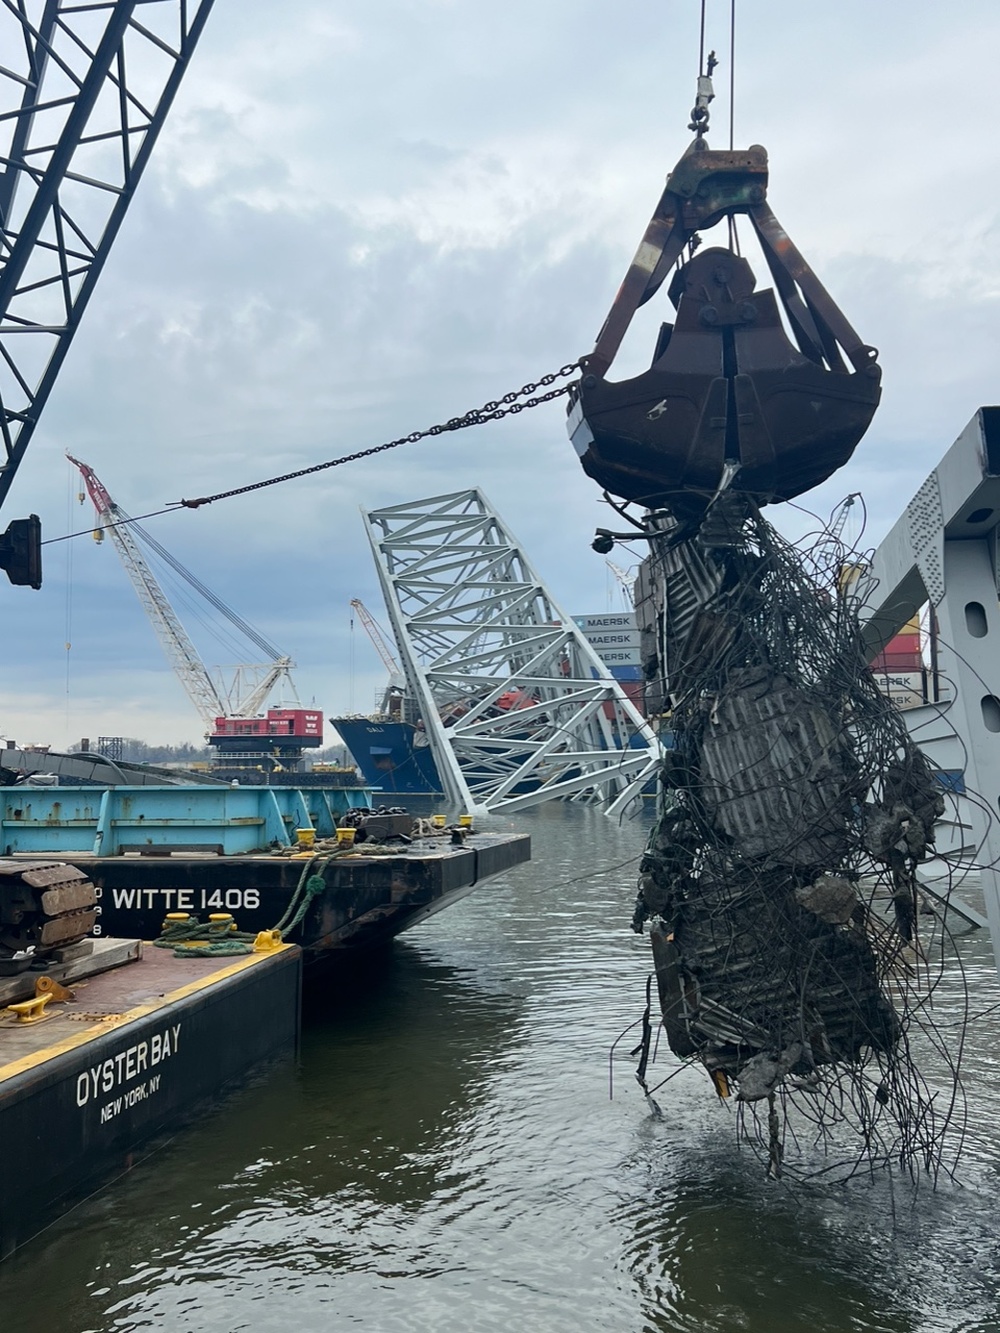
column 793, row 792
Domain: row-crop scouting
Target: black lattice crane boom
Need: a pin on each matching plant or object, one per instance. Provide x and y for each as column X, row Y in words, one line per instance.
column 84, row 92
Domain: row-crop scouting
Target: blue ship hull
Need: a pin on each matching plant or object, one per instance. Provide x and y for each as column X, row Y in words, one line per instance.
column 391, row 760
column 388, row 756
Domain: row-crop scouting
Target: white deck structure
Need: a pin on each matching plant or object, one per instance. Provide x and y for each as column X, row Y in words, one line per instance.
column 515, row 704
column 944, row 550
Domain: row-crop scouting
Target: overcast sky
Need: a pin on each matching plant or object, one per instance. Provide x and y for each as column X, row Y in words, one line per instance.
column 366, row 216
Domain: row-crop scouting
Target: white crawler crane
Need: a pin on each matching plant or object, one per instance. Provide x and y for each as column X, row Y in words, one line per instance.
column 229, row 706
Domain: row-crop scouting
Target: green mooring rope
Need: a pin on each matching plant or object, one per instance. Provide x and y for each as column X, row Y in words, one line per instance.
column 218, row 938
column 216, row 949
column 308, row 888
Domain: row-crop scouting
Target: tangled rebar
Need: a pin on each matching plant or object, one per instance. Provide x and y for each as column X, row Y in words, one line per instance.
column 795, row 956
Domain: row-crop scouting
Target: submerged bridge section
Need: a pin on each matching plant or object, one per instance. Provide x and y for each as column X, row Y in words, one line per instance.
column 516, row 706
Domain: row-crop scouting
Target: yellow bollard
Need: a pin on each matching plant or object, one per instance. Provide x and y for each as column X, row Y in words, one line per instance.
column 31, row 1011
column 438, row 821
column 345, row 837
column 306, row 837
column 266, row 941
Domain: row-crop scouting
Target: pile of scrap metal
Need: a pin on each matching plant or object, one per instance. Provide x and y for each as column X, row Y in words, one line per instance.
column 384, row 823
column 793, row 796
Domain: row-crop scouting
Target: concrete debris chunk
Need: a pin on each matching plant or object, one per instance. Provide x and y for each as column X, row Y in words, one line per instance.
column 831, row 897
column 761, row 1075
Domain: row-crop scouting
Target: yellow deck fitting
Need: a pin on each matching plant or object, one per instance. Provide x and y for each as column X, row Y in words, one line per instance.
column 52, row 988
column 30, row 1011
column 267, row 940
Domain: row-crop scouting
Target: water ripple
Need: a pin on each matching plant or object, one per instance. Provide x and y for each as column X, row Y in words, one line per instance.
column 447, row 1157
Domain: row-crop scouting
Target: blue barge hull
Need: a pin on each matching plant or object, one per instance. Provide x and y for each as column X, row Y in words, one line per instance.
column 114, row 820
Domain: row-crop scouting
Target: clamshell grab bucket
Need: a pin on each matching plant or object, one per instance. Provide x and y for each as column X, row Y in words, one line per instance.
column 727, row 386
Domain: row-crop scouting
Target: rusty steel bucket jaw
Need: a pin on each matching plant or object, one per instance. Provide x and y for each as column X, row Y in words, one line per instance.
column 728, row 392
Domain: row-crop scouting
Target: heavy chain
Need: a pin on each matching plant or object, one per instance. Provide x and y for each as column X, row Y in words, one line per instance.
column 509, row 405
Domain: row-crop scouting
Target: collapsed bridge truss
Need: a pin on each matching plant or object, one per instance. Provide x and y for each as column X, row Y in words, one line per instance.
column 515, row 704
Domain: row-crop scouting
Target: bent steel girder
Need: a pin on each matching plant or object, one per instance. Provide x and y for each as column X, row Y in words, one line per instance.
column 943, row 551
column 515, row 704
column 730, row 398
column 83, row 95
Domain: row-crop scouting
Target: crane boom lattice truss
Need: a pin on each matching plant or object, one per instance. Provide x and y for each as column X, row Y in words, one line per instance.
column 374, row 631
column 181, row 652
column 84, row 90
column 517, row 707
column 251, row 683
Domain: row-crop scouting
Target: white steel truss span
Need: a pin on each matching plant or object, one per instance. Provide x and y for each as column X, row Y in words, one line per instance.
column 515, row 704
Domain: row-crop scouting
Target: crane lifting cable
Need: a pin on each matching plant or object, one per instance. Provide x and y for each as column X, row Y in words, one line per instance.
column 213, row 599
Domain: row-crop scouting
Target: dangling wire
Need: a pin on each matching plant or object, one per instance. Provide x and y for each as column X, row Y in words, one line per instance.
column 70, row 495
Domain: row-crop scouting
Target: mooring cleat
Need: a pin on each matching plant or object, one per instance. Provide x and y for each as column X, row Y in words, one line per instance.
column 54, row 990
column 30, row 1011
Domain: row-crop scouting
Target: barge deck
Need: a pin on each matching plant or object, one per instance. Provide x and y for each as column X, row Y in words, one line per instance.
column 367, row 897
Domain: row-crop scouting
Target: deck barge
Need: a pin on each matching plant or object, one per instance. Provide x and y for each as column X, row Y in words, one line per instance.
column 91, row 1086
column 151, row 1037
column 150, row 851
column 367, row 899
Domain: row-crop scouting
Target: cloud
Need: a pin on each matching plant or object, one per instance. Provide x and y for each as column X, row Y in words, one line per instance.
column 363, row 220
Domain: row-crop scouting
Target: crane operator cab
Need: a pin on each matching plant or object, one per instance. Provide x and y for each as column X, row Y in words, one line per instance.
column 730, row 399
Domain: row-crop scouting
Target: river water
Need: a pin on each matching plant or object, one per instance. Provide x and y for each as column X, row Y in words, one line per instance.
column 446, row 1156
